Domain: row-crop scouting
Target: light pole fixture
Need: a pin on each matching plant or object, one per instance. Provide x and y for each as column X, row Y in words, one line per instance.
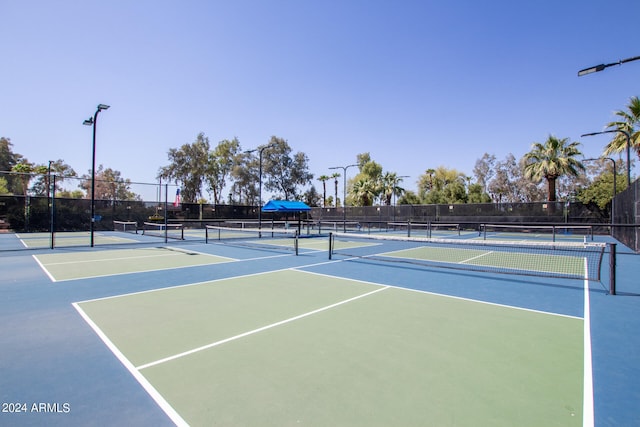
column 344, row 194
column 91, row 121
column 626, row 134
column 260, row 150
column 601, row 67
column 615, row 189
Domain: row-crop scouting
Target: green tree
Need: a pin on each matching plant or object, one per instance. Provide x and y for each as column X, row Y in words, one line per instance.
column 369, row 182
column 598, row 184
column 284, row 172
column 221, row 163
column 109, row 185
column 409, row 198
column 476, row 194
column 66, row 194
column 600, row 191
column 629, row 119
column 4, row 187
column 25, row 171
column 245, row 178
column 553, row 159
column 484, row 170
column 188, row 167
column 7, row 157
column 442, row 185
column 60, row 169
column 311, row 197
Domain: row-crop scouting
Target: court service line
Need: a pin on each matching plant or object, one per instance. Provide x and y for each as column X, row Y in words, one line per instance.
column 255, row 331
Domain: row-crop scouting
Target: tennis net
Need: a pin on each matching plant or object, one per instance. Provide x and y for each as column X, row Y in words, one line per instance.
column 170, row 231
column 546, row 232
column 259, row 238
column 563, row 260
column 125, row 226
column 417, row 229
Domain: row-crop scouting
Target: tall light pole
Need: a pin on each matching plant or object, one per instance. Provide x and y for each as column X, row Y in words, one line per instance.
column 615, row 189
column 601, row 67
column 626, row 134
column 260, row 150
column 344, row 194
column 91, row 121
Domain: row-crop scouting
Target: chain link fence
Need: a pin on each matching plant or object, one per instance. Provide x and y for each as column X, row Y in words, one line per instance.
column 60, row 204
column 626, row 207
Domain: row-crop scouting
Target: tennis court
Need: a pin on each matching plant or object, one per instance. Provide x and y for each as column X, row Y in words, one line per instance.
column 294, row 347
column 246, row 332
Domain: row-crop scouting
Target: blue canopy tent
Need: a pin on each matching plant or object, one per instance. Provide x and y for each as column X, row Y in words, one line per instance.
column 286, row 206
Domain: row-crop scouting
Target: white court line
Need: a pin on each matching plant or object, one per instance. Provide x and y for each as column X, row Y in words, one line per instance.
column 155, row 395
column 178, row 253
column 495, row 304
column 113, row 259
column 53, row 279
column 255, row 331
column 588, row 419
column 475, row 257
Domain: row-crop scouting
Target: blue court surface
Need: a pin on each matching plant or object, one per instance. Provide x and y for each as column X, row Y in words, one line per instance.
column 377, row 334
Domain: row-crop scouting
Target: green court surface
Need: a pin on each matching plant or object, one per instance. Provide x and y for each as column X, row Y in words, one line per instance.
column 78, row 265
column 571, row 265
column 292, row 348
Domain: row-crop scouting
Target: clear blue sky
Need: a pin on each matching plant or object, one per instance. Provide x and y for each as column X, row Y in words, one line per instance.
column 417, row 84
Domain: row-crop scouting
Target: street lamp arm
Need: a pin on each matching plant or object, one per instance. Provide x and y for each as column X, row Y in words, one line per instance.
column 601, row 67
column 628, row 136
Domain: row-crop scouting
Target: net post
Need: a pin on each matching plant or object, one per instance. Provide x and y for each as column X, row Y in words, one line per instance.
column 330, row 243
column 166, row 212
column 612, row 268
column 52, row 207
column 295, row 242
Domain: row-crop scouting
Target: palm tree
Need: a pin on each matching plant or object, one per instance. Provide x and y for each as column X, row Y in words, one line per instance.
column 324, row 179
column 390, row 186
column 629, row 119
column 364, row 191
column 335, row 177
column 551, row 160
column 430, row 173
